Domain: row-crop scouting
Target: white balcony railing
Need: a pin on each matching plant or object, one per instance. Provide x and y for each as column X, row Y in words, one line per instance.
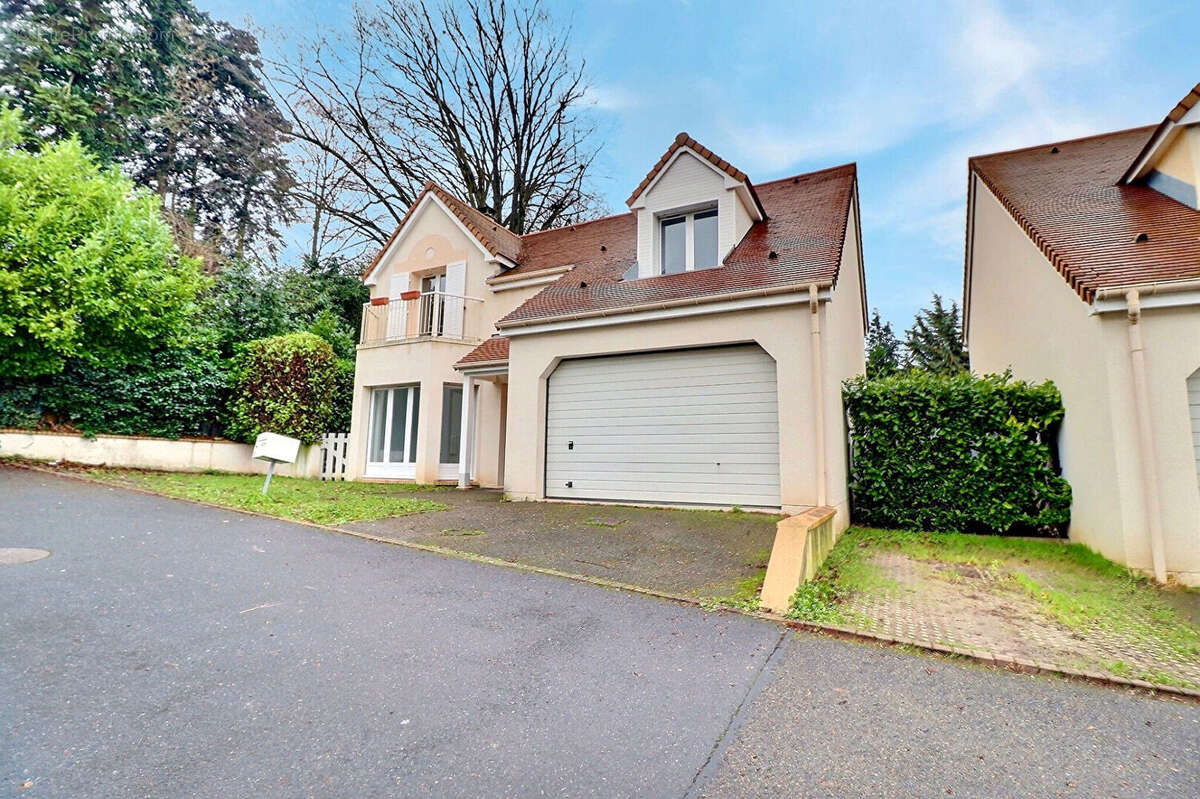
column 433, row 314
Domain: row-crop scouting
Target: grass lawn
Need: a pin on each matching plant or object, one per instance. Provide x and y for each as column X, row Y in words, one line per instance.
column 289, row 497
column 1029, row 582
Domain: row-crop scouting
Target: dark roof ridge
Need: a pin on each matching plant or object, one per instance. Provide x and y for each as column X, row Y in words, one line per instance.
column 972, row 159
column 573, row 225
column 848, row 165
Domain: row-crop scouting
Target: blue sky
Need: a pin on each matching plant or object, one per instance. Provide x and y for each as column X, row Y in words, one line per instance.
column 907, row 90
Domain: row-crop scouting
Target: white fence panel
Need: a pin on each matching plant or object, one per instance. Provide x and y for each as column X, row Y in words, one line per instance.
column 334, row 447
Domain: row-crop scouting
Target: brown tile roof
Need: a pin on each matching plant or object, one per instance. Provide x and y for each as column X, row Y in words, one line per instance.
column 494, row 349
column 684, row 140
column 805, row 229
column 1067, row 199
column 496, row 238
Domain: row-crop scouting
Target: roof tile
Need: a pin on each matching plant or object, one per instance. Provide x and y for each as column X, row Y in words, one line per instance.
column 1067, row 199
column 496, row 238
column 805, row 229
column 494, row 349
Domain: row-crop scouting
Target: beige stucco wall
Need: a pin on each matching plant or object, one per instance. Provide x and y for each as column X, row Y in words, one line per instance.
column 144, row 452
column 843, row 338
column 1180, row 158
column 432, row 240
column 783, row 332
column 1023, row 315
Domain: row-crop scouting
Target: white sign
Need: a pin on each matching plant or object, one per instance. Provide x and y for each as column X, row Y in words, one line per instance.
column 276, row 448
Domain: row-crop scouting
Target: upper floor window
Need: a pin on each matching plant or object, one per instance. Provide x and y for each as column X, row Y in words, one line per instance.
column 689, row 241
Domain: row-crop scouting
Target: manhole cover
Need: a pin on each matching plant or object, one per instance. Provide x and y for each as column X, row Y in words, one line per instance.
column 10, row 556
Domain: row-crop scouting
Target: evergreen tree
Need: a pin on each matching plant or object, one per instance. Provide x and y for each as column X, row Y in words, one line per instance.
column 934, row 342
column 883, row 349
column 93, row 69
column 173, row 97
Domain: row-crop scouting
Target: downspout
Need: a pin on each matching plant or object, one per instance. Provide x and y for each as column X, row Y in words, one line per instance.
column 818, row 382
column 1145, row 433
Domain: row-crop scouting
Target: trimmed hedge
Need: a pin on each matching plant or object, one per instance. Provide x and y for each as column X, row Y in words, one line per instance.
column 287, row 385
column 171, row 393
column 955, row 454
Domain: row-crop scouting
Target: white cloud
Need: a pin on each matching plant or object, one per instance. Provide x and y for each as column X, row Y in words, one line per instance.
column 610, row 98
column 969, row 66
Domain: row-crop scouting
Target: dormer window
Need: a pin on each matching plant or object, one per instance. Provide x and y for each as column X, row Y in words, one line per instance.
column 689, row 241
column 692, row 210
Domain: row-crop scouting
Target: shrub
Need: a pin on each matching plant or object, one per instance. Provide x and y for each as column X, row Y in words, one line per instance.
column 287, row 385
column 955, row 453
column 88, row 268
column 343, row 399
column 170, row 393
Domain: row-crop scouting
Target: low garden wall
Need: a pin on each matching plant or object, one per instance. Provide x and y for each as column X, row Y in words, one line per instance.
column 144, row 452
column 802, row 542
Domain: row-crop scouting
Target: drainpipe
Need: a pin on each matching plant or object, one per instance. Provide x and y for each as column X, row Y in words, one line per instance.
column 818, row 383
column 1145, row 432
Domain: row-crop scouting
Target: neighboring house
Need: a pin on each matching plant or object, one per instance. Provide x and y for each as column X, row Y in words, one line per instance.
column 688, row 352
column 1083, row 267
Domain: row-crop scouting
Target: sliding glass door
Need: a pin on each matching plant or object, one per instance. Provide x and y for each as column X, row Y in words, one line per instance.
column 392, row 440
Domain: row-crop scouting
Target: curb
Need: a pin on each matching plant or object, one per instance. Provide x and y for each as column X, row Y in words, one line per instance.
column 1007, row 662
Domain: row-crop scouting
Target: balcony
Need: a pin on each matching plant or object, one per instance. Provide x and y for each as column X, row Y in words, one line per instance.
column 427, row 316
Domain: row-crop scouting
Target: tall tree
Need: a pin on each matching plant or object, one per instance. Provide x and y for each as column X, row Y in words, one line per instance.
column 216, row 157
column 884, row 357
column 934, row 342
column 483, row 97
column 97, row 69
column 324, row 186
column 173, row 97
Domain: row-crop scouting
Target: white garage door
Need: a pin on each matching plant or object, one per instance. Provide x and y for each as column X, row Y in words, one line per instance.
column 696, row 427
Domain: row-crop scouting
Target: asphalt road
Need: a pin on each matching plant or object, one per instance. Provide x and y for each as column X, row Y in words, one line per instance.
column 165, row 649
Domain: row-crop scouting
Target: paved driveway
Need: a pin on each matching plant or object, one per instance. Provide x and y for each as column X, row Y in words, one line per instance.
column 165, row 649
column 698, row 553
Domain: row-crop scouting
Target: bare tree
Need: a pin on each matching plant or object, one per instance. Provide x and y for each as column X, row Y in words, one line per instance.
column 325, row 191
column 482, row 97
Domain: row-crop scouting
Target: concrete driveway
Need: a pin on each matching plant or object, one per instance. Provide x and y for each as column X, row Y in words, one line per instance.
column 165, row 649
column 695, row 553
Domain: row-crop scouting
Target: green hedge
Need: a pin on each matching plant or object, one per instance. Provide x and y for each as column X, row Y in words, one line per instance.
column 171, row 393
column 287, row 385
column 962, row 453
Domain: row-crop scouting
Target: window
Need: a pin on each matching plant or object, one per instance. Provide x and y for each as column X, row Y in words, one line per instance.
column 452, row 397
column 393, row 435
column 705, row 236
column 689, row 241
column 674, row 245
column 433, row 304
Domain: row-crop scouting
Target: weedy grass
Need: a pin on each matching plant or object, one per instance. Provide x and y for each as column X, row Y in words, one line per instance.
column 1069, row 584
column 323, row 502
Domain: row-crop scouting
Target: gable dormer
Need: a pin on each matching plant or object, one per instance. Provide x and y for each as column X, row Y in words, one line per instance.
column 692, row 209
column 1170, row 161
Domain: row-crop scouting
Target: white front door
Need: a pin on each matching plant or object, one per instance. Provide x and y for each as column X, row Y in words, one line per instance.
column 692, row 427
column 392, row 437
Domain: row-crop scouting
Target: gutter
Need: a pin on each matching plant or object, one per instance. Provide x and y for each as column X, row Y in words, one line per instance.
column 665, row 304
column 1117, row 294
